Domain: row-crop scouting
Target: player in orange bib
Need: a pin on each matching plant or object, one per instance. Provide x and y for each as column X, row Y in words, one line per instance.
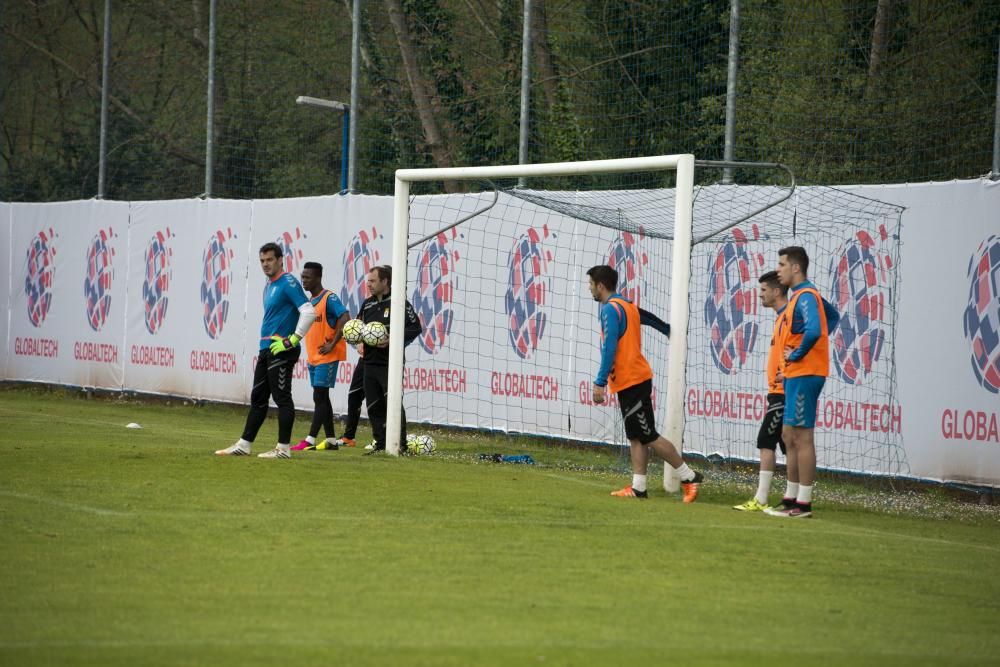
column 773, row 295
column 325, row 346
column 625, row 371
column 804, row 338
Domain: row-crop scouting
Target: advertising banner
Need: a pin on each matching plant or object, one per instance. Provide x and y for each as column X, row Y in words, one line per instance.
column 166, row 297
column 6, row 283
column 186, row 331
column 68, row 299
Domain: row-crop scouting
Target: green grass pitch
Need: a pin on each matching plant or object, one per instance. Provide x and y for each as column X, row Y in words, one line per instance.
column 138, row 547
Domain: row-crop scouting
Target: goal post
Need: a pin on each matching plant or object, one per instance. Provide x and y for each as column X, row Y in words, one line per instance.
column 683, row 165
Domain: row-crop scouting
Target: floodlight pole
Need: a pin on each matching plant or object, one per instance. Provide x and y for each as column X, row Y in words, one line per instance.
column 333, row 105
column 102, row 158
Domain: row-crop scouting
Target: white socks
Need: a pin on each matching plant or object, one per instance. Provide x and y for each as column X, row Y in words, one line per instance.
column 244, row 444
column 805, row 496
column 686, row 474
column 638, row 482
column 792, row 490
column 311, row 440
column 764, row 486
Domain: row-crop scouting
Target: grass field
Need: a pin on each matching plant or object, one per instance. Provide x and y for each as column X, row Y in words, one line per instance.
column 138, row 547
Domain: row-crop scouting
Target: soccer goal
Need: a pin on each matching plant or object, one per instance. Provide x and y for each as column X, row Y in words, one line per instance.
column 497, row 273
column 529, row 288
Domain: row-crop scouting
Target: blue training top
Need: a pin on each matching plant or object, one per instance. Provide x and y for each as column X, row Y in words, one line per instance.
column 805, row 320
column 334, row 306
column 613, row 326
column 282, row 298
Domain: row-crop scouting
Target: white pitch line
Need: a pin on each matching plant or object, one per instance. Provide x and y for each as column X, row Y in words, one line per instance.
column 64, row 504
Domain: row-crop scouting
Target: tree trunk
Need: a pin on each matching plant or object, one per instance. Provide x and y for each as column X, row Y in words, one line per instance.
column 419, row 90
column 880, row 43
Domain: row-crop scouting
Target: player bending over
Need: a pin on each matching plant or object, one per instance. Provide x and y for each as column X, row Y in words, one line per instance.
column 625, row 371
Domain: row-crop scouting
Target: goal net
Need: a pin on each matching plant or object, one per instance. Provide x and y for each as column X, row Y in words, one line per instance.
column 511, row 338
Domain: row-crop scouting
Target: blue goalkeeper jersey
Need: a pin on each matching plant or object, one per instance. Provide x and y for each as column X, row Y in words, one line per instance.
column 282, row 298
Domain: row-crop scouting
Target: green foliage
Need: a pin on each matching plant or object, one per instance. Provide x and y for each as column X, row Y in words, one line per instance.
column 625, row 78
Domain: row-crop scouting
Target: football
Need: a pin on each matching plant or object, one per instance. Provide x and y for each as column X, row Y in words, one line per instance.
column 353, row 329
column 419, row 444
column 374, row 334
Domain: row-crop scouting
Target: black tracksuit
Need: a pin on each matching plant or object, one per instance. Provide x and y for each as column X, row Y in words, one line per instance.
column 377, row 365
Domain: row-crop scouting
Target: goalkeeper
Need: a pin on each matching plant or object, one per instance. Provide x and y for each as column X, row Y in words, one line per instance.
column 288, row 314
column 376, row 309
column 625, row 371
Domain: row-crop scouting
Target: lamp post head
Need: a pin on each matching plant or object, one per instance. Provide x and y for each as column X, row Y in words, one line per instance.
column 332, row 105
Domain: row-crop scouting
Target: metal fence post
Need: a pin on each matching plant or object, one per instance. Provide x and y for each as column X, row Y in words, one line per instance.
column 995, row 175
column 102, row 159
column 522, row 154
column 210, row 121
column 734, row 61
column 352, row 138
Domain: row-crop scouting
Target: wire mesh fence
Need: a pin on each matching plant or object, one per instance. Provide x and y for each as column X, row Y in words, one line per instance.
column 842, row 90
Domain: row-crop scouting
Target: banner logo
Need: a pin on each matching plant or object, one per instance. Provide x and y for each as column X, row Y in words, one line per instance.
column 359, row 258
column 157, row 280
column 97, row 281
column 216, row 281
column 862, row 291
column 731, row 306
column 528, row 288
column 627, row 255
column 982, row 314
column 38, row 276
column 291, row 255
column 437, row 284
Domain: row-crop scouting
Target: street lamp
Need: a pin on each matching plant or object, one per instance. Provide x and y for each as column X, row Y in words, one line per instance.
column 333, row 105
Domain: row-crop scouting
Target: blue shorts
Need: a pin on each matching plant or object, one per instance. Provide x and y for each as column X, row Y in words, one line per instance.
column 801, row 399
column 323, row 375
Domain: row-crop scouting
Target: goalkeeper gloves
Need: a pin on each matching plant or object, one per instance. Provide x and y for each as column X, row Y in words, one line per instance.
column 279, row 344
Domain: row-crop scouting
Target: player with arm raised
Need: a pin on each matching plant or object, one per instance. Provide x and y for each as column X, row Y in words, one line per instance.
column 288, row 314
column 804, row 338
column 376, row 309
column 773, row 295
column 326, row 348
column 625, row 371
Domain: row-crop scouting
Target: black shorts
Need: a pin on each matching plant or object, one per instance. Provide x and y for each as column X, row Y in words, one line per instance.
column 636, row 403
column 770, row 428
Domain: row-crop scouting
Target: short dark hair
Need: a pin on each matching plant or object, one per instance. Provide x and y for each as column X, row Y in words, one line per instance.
column 796, row 254
column 602, row 274
column 272, row 247
column 384, row 272
column 771, row 280
column 315, row 266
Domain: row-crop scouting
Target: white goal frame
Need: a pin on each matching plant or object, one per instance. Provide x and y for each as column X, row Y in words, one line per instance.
column 684, row 165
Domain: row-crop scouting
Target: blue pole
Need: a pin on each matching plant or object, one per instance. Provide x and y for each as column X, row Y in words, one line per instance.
column 345, row 150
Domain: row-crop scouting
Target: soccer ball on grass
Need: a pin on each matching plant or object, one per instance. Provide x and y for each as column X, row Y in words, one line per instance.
column 419, row 444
